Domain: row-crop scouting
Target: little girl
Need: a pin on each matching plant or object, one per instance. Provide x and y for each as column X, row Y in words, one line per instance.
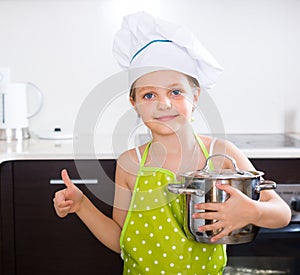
column 167, row 68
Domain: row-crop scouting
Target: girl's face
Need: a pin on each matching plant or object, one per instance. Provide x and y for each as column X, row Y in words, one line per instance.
column 164, row 100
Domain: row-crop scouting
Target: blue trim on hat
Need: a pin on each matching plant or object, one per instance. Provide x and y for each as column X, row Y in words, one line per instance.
column 153, row 41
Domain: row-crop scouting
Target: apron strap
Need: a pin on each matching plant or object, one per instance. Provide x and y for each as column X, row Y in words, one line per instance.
column 145, row 154
column 205, row 152
column 202, row 146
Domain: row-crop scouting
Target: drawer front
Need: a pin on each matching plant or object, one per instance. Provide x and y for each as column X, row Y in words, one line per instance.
column 47, row 244
column 283, row 170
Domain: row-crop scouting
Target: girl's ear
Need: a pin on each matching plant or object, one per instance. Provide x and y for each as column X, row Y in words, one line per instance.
column 196, row 96
column 134, row 105
column 132, row 102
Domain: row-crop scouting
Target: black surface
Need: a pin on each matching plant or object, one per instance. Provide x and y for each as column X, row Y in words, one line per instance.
column 273, row 245
column 285, row 170
column 34, row 240
column 274, row 248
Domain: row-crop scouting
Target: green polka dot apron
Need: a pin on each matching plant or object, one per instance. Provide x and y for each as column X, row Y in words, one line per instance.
column 154, row 239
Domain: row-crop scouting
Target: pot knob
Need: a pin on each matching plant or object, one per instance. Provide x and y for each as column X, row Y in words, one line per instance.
column 295, row 204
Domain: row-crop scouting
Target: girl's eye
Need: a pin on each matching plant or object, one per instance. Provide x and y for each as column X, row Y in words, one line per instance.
column 176, row 92
column 149, row 96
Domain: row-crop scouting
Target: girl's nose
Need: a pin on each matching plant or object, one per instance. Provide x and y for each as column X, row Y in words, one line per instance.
column 164, row 104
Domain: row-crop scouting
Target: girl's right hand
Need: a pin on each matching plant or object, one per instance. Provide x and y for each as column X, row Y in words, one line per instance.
column 69, row 199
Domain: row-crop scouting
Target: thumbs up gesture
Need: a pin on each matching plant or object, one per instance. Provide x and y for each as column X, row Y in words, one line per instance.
column 67, row 200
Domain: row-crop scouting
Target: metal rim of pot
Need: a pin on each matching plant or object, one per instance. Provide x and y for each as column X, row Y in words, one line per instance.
column 235, row 174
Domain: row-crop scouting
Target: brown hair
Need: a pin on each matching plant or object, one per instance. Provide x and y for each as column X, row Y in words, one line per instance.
column 192, row 81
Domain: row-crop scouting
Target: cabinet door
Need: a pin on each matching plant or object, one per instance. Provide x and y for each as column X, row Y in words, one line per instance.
column 283, row 170
column 46, row 244
column 7, row 241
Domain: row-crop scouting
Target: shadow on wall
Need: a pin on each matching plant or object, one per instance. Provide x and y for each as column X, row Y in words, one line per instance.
column 290, row 121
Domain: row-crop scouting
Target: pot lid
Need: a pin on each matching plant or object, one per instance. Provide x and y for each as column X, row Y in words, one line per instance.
column 234, row 173
column 222, row 174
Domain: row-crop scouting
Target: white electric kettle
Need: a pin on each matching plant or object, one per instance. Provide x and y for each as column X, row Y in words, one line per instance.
column 14, row 112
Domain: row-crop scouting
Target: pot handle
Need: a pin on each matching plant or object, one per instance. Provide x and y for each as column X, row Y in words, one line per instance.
column 180, row 189
column 206, row 166
column 265, row 185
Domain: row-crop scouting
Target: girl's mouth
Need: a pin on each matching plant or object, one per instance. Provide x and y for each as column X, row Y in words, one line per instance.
column 166, row 118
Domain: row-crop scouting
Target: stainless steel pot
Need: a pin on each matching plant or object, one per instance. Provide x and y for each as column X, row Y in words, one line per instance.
column 199, row 187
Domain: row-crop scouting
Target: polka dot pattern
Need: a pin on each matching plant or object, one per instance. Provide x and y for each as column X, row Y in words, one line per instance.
column 153, row 239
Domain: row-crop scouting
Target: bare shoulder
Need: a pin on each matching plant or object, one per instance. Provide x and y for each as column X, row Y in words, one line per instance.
column 128, row 166
column 126, row 156
column 228, row 148
column 207, row 140
column 129, row 161
column 223, row 146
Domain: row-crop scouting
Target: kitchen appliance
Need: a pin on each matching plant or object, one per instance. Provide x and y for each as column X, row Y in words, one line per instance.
column 274, row 251
column 14, row 112
column 200, row 187
column 56, row 134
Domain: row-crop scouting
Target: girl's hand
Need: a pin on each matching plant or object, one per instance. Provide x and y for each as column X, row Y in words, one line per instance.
column 236, row 212
column 69, row 199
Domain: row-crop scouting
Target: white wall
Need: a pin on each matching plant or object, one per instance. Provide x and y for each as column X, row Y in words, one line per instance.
column 64, row 47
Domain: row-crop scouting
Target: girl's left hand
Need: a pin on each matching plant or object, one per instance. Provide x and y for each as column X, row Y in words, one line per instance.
column 236, row 212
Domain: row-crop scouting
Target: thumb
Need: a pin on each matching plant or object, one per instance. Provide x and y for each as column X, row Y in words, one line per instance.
column 66, row 179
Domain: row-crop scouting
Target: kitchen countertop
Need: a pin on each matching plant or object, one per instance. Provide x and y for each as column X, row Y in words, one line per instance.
column 35, row 148
column 267, row 145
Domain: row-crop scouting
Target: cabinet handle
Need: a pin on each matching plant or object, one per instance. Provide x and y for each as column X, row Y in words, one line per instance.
column 75, row 181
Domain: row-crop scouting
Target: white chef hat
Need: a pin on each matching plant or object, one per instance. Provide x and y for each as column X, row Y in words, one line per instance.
column 146, row 44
